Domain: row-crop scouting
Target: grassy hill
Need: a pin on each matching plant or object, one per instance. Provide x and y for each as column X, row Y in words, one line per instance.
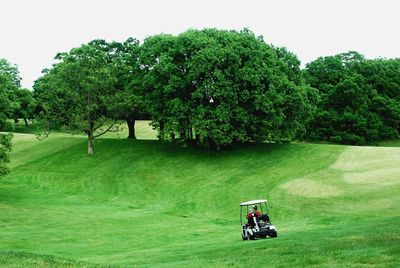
column 144, row 203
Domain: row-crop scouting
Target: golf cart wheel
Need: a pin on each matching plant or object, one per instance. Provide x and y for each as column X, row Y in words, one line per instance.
column 244, row 234
column 252, row 237
column 274, row 234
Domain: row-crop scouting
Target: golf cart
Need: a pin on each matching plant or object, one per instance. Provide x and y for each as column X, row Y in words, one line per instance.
column 255, row 220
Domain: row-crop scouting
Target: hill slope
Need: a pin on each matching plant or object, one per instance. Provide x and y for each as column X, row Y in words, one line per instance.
column 145, row 203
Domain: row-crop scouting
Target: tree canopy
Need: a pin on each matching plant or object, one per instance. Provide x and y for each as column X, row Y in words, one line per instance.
column 9, row 83
column 360, row 98
column 127, row 103
column 218, row 87
column 75, row 93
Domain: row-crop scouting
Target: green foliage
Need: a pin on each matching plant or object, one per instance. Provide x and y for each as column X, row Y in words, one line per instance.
column 76, row 93
column 26, row 105
column 153, row 53
column 128, row 100
column 124, row 59
column 11, row 72
column 359, row 99
column 9, row 84
column 5, row 149
column 15, row 102
column 5, row 105
column 218, row 88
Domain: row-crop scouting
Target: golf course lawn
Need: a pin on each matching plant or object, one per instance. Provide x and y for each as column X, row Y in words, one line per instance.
column 148, row 204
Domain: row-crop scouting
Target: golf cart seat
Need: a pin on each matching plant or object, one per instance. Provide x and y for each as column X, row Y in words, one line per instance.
column 264, row 217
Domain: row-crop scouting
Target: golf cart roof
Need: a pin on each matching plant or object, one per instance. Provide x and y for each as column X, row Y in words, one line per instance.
column 253, row 202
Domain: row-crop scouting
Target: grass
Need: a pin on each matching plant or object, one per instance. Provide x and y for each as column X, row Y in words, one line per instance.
column 26, row 259
column 143, row 130
column 390, row 143
column 144, row 203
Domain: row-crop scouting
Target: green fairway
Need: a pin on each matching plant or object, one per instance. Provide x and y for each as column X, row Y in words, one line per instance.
column 145, row 203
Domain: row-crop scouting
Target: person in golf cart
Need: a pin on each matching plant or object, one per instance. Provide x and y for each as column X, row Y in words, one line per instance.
column 253, row 210
column 255, row 214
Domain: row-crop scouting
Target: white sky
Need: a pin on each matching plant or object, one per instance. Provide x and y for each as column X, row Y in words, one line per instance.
column 33, row 31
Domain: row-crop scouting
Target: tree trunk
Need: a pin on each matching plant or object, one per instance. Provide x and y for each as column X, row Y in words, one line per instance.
column 182, row 134
column 130, row 120
column 90, row 145
column 161, row 134
column 218, row 146
column 190, row 133
column 26, row 122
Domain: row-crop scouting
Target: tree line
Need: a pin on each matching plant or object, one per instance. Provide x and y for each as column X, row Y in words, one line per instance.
column 359, row 99
column 212, row 88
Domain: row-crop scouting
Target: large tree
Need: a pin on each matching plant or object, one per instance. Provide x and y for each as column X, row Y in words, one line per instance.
column 127, row 103
column 221, row 87
column 76, row 92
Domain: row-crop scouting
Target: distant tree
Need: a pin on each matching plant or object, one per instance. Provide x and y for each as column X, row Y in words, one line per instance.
column 9, row 83
column 76, row 92
column 384, row 76
column 11, row 72
column 325, row 72
column 5, row 148
column 358, row 99
column 25, row 105
column 6, row 105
